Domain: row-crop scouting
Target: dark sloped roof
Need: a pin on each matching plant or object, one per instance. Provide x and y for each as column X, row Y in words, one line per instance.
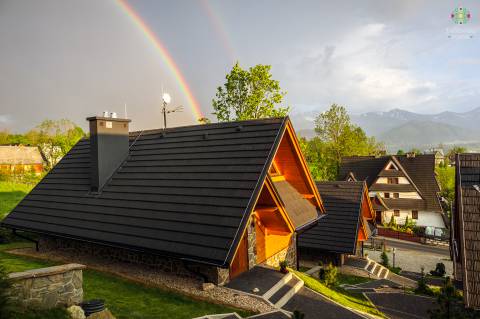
column 300, row 210
column 184, row 192
column 467, row 180
column 420, row 169
column 338, row 230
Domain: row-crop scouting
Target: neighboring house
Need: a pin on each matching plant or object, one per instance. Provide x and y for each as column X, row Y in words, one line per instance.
column 465, row 233
column 349, row 222
column 438, row 153
column 20, row 159
column 406, row 184
column 214, row 199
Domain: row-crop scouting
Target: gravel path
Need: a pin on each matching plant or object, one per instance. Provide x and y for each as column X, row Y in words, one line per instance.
column 151, row 277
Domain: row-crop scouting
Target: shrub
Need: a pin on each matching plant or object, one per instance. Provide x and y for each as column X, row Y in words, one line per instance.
column 283, row 266
column 385, row 261
column 6, row 236
column 5, row 307
column 392, row 223
column 422, row 287
column 439, row 270
column 297, row 315
column 329, row 275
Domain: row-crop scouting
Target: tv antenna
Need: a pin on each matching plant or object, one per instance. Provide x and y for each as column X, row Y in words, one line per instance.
column 166, row 98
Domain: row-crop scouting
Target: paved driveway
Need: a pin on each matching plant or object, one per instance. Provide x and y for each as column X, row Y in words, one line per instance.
column 314, row 306
column 403, row 306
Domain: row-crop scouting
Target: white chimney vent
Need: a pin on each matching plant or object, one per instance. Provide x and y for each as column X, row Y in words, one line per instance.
column 113, row 115
column 106, row 114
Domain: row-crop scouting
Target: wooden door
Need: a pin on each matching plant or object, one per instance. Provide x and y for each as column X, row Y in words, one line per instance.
column 240, row 262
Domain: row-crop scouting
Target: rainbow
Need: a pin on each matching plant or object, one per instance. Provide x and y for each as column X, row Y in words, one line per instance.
column 220, row 29
column 165, row 55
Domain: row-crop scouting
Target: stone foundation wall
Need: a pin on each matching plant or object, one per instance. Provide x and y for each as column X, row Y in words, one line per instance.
column 48, row 287
column 289, row 254
column 216, row 275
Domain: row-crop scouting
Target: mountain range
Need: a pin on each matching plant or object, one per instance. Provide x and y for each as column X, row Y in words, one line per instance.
column 400, row 129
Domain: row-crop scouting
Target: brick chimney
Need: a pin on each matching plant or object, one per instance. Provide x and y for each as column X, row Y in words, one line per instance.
column 109, row 146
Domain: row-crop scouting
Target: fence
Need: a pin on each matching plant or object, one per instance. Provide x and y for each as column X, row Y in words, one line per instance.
column 434, row 235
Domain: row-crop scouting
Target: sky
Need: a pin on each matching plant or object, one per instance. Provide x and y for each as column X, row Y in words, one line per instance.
column 74, row 59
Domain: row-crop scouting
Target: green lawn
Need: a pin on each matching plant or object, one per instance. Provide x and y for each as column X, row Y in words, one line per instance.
column 343, row 297
column 344, row 279
column 124, row 298
column 10, row 195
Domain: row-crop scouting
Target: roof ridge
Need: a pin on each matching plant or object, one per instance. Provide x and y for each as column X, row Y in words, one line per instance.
column 206, row 126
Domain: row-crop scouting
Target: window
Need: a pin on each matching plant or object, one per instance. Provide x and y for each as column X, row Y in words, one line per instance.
column 396, row 213
column 414, row 214
column 392, row 180
column 386, row 195
column 396, row 195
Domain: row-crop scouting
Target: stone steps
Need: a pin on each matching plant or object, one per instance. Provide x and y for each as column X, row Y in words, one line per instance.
column 376, row 269
column 283, row 290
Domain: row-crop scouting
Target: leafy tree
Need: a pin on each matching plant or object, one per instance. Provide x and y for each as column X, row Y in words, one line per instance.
column 415, row 151
column 249, row 94
column 446, row 180
column 400, row 152
column 4, row 137
column 204, row 120
column 342, row 138
column 450, row 156
column 55, row 138
column 320, row 161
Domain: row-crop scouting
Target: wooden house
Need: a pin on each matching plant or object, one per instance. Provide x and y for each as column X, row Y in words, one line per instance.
column 406, row 184
column 465, row 234
column 19, row 159
column 215, row 199
column 349, row 222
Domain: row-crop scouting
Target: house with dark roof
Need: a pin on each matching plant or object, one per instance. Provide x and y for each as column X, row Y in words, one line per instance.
column 349, row 222
column 214, row 199
column 465, row 234
column 19, row 159
column 406, row 184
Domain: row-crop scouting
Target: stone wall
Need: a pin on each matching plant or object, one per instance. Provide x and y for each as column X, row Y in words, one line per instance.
column 289, row 254
column 216, row 275
column 48, row 287
column 252, row 245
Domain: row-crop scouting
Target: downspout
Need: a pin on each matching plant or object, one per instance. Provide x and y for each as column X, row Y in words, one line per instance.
column 27, row 238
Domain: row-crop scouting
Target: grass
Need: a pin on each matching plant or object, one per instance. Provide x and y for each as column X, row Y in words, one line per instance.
column 344, row 279
column 11, row 194
column 124, row 298
column 337, row 294
column 56, row 313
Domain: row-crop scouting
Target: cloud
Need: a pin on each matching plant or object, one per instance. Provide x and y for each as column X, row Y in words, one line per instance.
column 5, row 119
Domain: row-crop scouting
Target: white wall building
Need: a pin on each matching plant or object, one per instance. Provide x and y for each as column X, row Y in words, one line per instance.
column 406, row 184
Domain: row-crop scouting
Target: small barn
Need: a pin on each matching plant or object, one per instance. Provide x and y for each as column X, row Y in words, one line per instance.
column 20, row 160
column 215, row 199
column 349, row 222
